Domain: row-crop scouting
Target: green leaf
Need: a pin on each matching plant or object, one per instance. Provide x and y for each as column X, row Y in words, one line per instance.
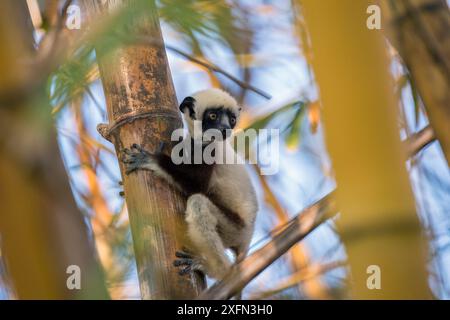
column 264, row 120
column 293, row 135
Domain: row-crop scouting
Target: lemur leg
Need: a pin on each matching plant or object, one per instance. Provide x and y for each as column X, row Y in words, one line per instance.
column 202, row 219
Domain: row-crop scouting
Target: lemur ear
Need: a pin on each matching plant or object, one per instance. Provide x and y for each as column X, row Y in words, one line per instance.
column 188, row 102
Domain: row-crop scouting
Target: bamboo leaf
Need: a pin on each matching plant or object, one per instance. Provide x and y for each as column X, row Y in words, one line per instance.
column 293, row 136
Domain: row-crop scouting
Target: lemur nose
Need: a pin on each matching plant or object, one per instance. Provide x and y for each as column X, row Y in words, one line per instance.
column 226, row 132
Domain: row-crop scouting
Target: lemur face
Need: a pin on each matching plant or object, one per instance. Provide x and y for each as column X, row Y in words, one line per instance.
column 213, row 109
column 219, row 118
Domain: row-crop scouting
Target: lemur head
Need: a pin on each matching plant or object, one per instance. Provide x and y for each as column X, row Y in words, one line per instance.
column 210, row 109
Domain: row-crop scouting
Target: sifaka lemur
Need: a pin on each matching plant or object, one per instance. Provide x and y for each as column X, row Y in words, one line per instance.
column 221, row 202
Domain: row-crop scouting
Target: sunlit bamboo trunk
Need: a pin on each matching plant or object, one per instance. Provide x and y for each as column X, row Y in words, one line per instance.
column 142, row 108
column 419, row 29
column 378, row 223
column 42, row 231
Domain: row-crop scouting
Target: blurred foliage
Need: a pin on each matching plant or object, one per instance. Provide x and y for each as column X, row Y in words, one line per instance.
column 293, row 114
column 215, row 20
column 193, row 20
column 72, row 79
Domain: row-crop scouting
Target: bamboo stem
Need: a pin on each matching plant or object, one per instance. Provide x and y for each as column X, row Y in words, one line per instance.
column 142, row 105
column 360, row 116
column 418, row 29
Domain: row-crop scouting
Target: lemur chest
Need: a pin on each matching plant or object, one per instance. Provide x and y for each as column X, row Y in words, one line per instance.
column 214, row 182
column 228, row 189
column 196, row 178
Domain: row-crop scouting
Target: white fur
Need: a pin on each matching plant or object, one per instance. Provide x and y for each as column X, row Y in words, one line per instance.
column 231, row 182
column 210, row 230
column 213, row 98
column 210, row 98
column 202, row 219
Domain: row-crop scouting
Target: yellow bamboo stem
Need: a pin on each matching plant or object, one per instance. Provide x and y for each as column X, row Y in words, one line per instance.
column 379, row 225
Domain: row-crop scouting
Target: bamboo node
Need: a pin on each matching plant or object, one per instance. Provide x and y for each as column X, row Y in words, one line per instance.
column 107, row 130
column 104, row 130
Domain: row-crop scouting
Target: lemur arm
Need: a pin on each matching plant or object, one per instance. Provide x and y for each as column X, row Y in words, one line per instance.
column 136, row 158
column 203, row 217
column 184, row 177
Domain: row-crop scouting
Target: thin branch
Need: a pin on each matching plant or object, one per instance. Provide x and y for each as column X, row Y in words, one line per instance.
column 208, row 65
column 301, row 226
column 429, row 38
column 299, row 277
column 241, row 274
column 216, row 69
column 418, row 141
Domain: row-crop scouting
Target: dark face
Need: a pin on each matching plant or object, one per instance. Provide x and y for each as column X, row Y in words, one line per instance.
column 220, row 119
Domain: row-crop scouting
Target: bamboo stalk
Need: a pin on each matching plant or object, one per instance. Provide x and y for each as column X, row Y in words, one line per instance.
column 142, row 108
column 419, row 31
column 299, row 278
column 379, row 225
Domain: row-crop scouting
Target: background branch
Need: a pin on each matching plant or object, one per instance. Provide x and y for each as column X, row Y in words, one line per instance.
column 302, row 225
column 206, row 64
column 296, row 230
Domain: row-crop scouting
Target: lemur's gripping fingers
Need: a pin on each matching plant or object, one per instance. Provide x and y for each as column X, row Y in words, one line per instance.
column 187, row 262
column 134, row 158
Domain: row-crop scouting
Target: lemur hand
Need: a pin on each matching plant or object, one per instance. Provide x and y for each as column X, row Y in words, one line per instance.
column 135, row 158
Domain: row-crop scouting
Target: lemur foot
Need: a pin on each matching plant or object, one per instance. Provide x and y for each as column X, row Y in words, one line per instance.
column 188, row 262
column 121, row 192
column 135, row 158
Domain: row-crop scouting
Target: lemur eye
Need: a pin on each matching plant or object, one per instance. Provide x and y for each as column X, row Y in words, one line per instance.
column 213, row 116
column 233, row 120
